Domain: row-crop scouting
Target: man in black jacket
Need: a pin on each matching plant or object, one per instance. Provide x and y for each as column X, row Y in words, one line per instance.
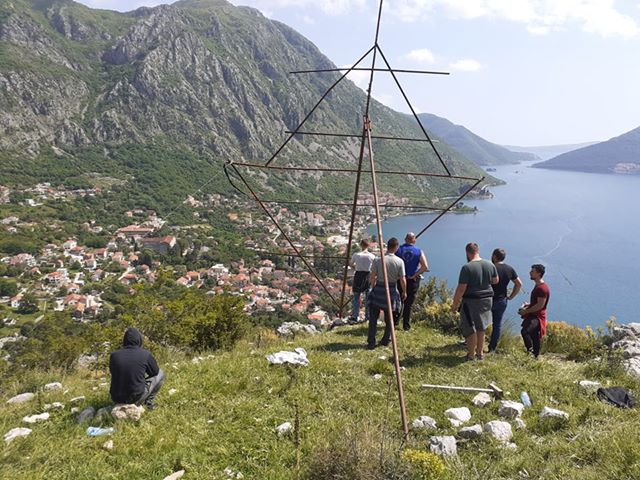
column 135, row 376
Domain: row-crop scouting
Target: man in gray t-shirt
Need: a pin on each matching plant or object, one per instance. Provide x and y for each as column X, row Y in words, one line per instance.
column 377, row 299
column 474, row 298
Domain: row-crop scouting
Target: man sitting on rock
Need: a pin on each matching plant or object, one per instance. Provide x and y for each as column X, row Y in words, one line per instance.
column 135, row 376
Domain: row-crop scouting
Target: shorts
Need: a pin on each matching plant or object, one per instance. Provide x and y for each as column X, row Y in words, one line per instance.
column 475, row 315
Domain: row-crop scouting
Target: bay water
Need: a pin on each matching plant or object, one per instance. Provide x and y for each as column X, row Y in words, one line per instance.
column 584, row 227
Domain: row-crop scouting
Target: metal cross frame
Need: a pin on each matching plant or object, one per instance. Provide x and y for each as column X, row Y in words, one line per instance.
column 231, row 170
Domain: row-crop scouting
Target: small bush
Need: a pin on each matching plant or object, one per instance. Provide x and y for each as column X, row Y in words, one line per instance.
column 423, row 465
column 433, row 306
column 574, row 342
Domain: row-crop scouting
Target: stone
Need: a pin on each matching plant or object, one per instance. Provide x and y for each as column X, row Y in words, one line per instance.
column 548, row 412
column 630, row 348
column 588, row 384
column 86, row 360
column 74, row 410
column 22, row 398
column 482, row 399
column 499, row 430
column 458, row 416
column 510, row 446
column 108, row 445
column 519, row 423
column 14, row 433
column 297, row 357
column 41, row 417
column 172, row 391
column 52, row 386
column 630, row 330
column 510, row 409
column 293, row 328
column 127, row 412
column 284, row 428
column 424, row 422
column 470, row 432
column 443, row 445
column 377, row 376
column 77, row 399
column 175, row 475
column 54, row 406
column 230, row 473
column 86, row 415
column 103, row 414
column 632, row 366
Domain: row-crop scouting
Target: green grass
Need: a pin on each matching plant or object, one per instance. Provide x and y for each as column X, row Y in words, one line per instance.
column 226, row 409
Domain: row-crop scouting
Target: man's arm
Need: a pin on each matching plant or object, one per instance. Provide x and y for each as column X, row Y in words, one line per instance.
column 424, row 266
column 403, row 284
column 457, row 296
column 373, row 278
column 152, row 366
column 517, row 285
column 534, row 308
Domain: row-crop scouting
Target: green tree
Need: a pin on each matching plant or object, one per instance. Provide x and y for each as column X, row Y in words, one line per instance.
column 28, row 304
column 8, row 287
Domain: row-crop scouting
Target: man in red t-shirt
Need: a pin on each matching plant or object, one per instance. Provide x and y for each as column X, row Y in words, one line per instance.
column 534, row 313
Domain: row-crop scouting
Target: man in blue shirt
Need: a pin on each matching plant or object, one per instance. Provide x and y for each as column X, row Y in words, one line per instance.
column 415, row 264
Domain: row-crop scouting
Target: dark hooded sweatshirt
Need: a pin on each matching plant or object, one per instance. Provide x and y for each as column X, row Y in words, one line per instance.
column 129, row 368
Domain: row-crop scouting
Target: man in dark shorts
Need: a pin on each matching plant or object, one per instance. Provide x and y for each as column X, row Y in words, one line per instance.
column 506, row 274
column 474, row 297
column 415, row 264
column 534, row 313
column 377, row 299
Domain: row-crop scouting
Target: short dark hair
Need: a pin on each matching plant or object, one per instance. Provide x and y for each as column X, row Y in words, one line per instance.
column 499, row 254
column 392, row 243
column 538, row 267
column 364, row 243
column 472, row 248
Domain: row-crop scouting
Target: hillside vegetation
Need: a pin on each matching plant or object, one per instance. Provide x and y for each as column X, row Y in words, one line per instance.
column 224, row 407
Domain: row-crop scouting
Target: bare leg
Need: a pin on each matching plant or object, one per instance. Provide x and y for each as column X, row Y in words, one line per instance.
column 471, row 345
column 479, row 343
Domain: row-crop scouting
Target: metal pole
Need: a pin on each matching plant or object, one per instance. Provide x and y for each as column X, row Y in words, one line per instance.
column 389, row 312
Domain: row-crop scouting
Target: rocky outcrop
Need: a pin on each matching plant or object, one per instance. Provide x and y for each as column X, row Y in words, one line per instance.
column 627, row 339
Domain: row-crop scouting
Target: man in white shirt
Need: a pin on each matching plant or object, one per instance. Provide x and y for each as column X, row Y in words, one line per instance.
column 361, row 262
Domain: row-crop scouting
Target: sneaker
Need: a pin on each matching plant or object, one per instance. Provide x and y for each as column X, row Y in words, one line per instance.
column 352, row 320
column 370, row 347
column 383, row 344
column 149, row 406
column 469, row 358
column 479, row 357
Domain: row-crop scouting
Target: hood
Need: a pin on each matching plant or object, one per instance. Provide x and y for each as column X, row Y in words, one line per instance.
column 132, row 338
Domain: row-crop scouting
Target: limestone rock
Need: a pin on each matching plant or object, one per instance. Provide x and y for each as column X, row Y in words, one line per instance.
column 127, row 412
column 77, row 399
column 175, row 476
column 14, row 433
column 86, row 415
column 632, row 366
column 108, row 445
column 630, row 330
column 52, row 386
column 284, row 428
column 443, row 445
column 22, row 398
column 293, row 328
column 54, row 406
column 519, row 423
column 471, row 432
column 481, row 400
column 458, row 416
column 41, row 417
column 588, row 384
column 548, row 412
column 499, row 430
column 424, row 422
column 510, row 409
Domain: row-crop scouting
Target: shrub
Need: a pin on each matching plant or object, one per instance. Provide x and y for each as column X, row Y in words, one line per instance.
column 423, row 465
column 433, row 303
column 576, row 343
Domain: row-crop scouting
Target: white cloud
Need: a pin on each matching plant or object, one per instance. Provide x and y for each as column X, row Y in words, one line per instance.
column 422, row 55
column 466, row 65
column 359, row 77
column 308, row 20
column 538, row 29
column 330, row 7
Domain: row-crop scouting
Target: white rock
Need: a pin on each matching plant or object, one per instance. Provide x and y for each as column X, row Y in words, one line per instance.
column 443, row 445
column 284, row 428
column 231, row 474
column 75, row 409
column 510, row 409
column 54, row 406
column 632, row 366
column 127, row 412
column 23, row 397
column 291, row 328
column 471, row 432
column 53, row 386
column 377, row 376
column 424, row 422
column 519, row 423
column 297, row 357
column 172, row 391
column 548, row 412
column 14, row 433
column 108, row 445
column 510, row 446
column 77, row 399
column 175, row 476
column 195, row 360
column 588, row 384
column 36, row 418
column 499, row 430
column 481, row 400
column 458, row 416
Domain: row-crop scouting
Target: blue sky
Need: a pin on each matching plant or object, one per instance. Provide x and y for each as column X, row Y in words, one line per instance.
column 523, row 72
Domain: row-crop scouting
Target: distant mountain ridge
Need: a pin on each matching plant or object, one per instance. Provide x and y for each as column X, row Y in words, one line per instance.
column 620, row 155
column 547, row 152
column 472, row 146
column 161, row 97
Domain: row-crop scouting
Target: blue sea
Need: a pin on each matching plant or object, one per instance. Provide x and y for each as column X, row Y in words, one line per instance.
column 584, row 227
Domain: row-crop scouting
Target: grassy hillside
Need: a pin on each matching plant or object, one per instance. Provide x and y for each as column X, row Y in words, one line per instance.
column 227, row 405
